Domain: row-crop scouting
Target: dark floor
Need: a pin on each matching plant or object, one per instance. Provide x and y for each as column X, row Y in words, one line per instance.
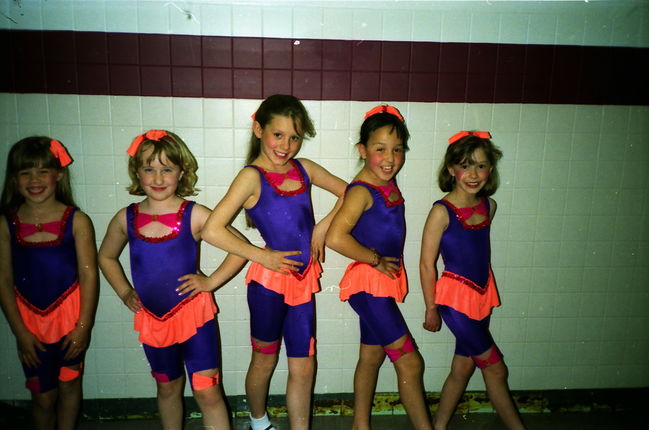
column 473, row 421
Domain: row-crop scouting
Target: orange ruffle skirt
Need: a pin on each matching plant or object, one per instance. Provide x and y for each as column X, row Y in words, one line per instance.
column 177, row 325
column 297, row 288
column 465, row 296
column 363, row 277
column 59, row 319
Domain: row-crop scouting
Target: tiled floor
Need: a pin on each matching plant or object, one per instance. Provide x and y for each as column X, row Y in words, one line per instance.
column 474, row 421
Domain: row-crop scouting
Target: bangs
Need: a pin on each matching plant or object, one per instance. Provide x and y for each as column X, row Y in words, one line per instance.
column 29, row 160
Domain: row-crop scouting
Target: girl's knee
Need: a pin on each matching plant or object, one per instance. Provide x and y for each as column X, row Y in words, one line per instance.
column 301, row 367
column 45, row 401
column 170, row 389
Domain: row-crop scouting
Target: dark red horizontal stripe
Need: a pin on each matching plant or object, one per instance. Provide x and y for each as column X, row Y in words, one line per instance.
column 67, row 62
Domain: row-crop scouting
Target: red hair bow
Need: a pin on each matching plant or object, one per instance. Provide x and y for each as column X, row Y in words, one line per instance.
column 384, row 109
column 149, row 135
column 460, row 135
column 60, row 153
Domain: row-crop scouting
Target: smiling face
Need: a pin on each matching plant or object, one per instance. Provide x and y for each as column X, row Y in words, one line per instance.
column 279, row 141
column 384, row 154
column 471, row 174
column 159, row 178
column 38, row 184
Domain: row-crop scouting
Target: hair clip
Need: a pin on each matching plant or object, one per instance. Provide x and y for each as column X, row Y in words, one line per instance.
column 149, row 135
column 60, row 153
column 384, row 109
column 460, row 135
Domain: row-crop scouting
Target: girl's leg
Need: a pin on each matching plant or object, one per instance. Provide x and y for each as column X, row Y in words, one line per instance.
column 370, row 358
column 410, row 369
column 211, row 401
column 69, row 402
column 170, row 403
column 495, row 378
column 44, row 409
column 461, row 370
column 299, row 388
column 258, row 377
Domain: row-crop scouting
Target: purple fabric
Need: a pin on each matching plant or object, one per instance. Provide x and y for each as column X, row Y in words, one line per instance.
column 381, row 227
column 157, row 265
column 380, row 319
column 47, row 372
column 199, row 352
column 270, row 318
column 465, row 251
column 285, row 222
column 43, row 273
column 472, row 337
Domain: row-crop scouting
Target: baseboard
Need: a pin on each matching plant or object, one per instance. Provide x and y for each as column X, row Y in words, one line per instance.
column 543, row 401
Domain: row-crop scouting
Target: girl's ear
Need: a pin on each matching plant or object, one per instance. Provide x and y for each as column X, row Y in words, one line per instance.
column 257, row 129
column 362, row 150
column 451, row 171
column 59, row 175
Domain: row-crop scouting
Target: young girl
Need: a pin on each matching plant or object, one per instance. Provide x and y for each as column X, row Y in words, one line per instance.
column 370, row 229
column 274, row 189
column 48, row 277
column 458, row 228
column 174, row 312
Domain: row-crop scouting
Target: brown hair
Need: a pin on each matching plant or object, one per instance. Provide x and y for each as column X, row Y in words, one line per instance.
column 460, row 152
column 28, row 153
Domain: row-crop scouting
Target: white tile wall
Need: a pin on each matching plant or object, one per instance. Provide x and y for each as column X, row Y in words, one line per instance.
column 570, row 242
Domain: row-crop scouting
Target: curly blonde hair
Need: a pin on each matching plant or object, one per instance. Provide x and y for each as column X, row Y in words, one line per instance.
column 176, row 151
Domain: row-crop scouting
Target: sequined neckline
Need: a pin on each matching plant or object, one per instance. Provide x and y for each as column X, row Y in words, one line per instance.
column 462, row 221
column 386, row 199
column 277, row 190
column 174, row 231
column 54, row 242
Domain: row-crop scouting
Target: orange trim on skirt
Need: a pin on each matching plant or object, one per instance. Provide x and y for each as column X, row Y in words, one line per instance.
column 363, row 277
column 464, row 296
column 59, row 319
column 177, row 325
column 296, row 288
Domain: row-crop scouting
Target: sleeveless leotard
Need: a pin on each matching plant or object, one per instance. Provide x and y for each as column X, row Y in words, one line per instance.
column 46, row 281
column 285, row 221
column 466, row 284
column 382, row 228
column 156, row 265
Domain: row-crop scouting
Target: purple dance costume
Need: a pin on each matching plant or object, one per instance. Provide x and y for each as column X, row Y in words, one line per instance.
column 466, row 291
column 172, row 328
column 283, row 304
column 372, row 294
column 47, row 295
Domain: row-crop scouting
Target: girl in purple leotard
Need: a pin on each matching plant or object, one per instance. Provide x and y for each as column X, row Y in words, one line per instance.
column 458, row 228
column 370, row 229
column 48, row 278
column 274, row 189
column 172, row 301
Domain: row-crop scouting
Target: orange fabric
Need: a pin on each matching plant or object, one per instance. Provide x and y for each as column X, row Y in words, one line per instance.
column 177, row 325
column 363, row 277
column 59, row 319
column 461, row 297
column 201, row 382
column 66, row 374
column 312, row 347
column 296, row 288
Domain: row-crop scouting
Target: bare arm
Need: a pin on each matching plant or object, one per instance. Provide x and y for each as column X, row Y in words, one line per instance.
column 111, row 247
column 340, row 239
column 26, row 342
column 78, row 339
column 434, row 227
column 232, row 264
column 243, row 191
column 322, row 178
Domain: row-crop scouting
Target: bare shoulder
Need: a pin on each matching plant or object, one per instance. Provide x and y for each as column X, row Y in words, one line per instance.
column 492, row 207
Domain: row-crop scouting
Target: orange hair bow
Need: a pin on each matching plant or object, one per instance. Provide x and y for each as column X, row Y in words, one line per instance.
column 60, row 153
column 149, row 135
column 460, row 135
column 384, row 109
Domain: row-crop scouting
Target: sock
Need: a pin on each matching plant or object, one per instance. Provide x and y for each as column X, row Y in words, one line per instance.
column 260, row 423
